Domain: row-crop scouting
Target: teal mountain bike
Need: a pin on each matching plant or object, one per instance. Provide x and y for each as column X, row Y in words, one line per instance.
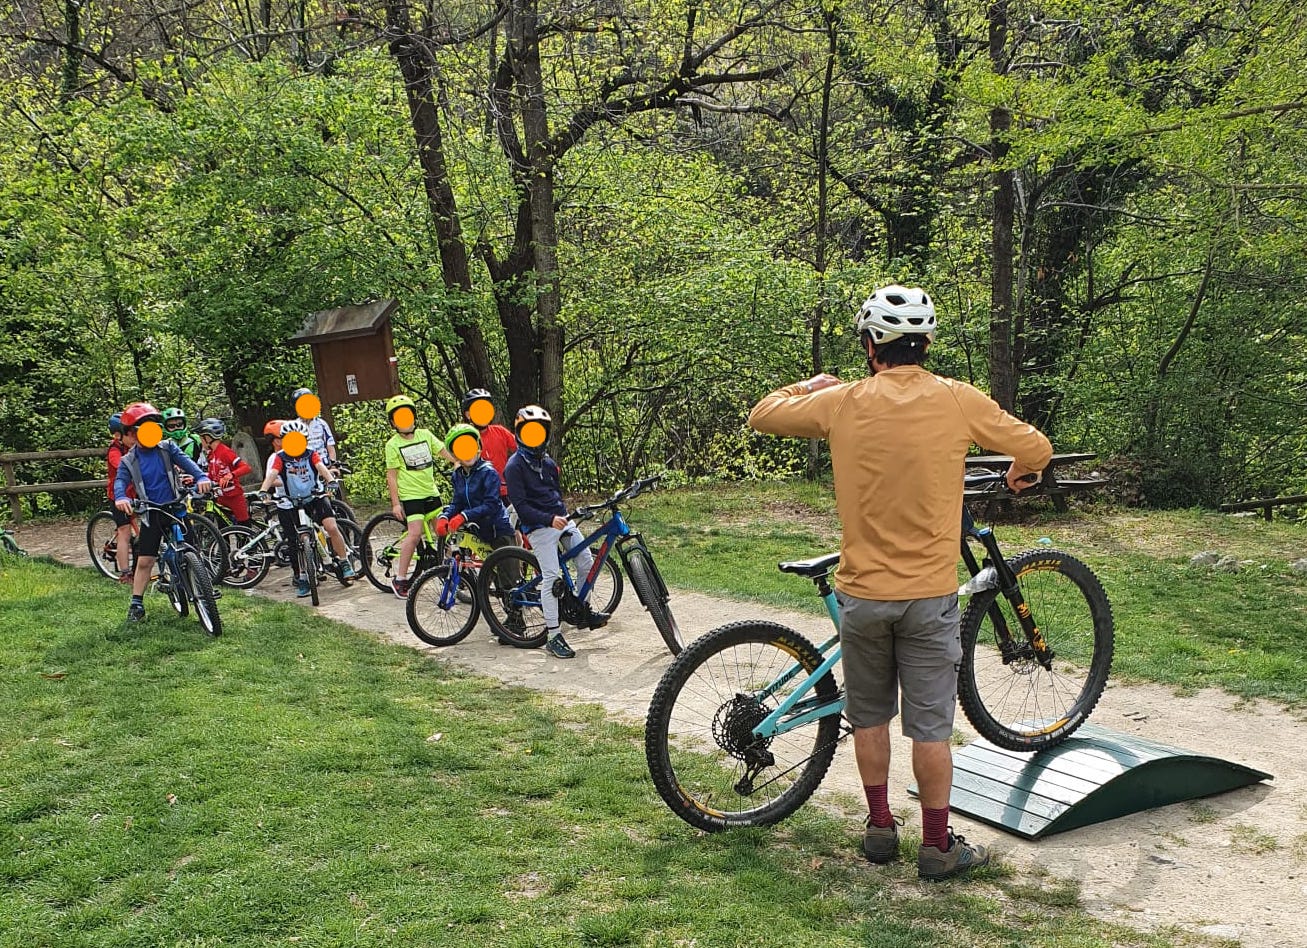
column 744, row 724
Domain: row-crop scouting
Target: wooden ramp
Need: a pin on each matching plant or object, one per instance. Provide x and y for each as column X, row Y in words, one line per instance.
column 1094, row 776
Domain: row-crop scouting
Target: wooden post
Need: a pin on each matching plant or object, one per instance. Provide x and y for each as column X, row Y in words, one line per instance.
column 15, row 503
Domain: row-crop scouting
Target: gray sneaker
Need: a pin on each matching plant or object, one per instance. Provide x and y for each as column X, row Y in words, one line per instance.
column 880, row 844
column 935, row 864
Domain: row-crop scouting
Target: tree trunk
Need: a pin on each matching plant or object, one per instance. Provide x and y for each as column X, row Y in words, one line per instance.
column 1002, row 373
column 416, row 68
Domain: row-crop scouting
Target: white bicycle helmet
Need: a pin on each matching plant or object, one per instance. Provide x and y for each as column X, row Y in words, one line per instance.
column 894, row 311
column 294, row 425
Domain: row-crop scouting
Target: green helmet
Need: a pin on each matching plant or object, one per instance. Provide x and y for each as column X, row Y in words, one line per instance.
column 395, row 403
column 456, row 432
column 177, row 433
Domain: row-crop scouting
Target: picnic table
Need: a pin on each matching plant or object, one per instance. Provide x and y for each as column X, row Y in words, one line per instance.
column 1052, row 485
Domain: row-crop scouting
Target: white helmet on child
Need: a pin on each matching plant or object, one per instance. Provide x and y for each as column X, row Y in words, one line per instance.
column 894, row 311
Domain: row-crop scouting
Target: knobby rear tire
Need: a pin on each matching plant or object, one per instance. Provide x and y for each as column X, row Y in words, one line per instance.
column 379, row 549
column 309, row 562
column 101, row 535
column 199, row 585
column 652, row 593
column 523, row 595
column 1020, row 705
column 176, row 585
column 702, row 710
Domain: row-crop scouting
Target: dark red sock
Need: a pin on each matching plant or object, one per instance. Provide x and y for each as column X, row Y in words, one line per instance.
column 934, row 828
column 878, row 804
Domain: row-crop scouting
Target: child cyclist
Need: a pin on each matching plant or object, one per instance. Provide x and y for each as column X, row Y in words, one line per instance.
column 300, row 472
column 309, row 408
column 226, row 468
column 150, row 468
column 174, row 424
column 534, row 489
column 122, row 522
column 497, row 442
column 411, row 477
column 475, row 501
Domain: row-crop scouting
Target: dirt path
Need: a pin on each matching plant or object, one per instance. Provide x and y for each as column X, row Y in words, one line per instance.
column 1232, row 866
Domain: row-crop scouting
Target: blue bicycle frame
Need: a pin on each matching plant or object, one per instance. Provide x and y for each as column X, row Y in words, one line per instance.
column 614, row 530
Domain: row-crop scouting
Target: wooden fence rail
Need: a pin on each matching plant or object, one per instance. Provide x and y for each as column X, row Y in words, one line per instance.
column 1265, row 504
column 15, row 490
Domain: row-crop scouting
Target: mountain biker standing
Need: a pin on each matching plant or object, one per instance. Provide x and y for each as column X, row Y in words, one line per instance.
column 301, row 472
column 149, row 467
column 321, row 440
column 898, row 443
column 535, row 490
column 226, row 468
column 174, row 424
column 411, row 478
column 122, row 522
column 497, row 442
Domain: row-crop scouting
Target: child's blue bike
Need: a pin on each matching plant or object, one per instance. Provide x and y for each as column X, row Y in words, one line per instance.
column 743, row 725
column 513, row 607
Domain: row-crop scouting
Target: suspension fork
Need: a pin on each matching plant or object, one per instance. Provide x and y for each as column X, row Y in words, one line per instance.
column 1008, row 644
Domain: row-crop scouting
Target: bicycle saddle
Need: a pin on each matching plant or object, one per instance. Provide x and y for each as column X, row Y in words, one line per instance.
column 817, row 566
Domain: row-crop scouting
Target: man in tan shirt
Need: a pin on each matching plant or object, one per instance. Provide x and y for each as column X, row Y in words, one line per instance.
column 898, row 443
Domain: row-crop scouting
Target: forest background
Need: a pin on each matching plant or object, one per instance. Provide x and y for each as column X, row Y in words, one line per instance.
column 645, row 215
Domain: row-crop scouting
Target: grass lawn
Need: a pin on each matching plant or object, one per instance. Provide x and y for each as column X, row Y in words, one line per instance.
column 297, row 782
column 1176, row 624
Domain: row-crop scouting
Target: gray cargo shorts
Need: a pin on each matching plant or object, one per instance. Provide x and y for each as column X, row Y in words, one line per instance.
column 913, row 645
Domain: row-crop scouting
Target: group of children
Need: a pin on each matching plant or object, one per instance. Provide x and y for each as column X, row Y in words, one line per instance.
column 153, row 454
column 494, row 470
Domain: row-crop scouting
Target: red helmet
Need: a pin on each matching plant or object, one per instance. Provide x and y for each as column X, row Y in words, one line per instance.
column 137, row 412
column 273, row 428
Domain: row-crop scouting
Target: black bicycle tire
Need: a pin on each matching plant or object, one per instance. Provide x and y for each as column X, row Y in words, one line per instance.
column 199, row 586
column 491, row 595
column 677, row 790
column 648, row 587
column 176, row 592
column 611, row 570
column 256, row 556
column 1070, row 716
column 343, row 511
column 308, row 545
column 368, row 557
column 206, row 538
column 436, row 578
column 95, row 545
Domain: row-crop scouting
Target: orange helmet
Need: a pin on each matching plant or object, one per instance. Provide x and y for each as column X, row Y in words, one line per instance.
column 273, row 428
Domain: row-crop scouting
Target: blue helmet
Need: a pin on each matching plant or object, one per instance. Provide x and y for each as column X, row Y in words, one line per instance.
column 116, row 423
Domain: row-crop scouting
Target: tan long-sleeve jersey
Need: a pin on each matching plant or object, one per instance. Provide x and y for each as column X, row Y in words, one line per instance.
column 898, row 443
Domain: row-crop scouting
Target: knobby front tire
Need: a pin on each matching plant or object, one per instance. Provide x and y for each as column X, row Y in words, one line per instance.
column 379, row 549
column 1021, row 705
column 205, row 536
column 652, row 592
column 199, row 586
column 440, row 613
column 309, row 562
column 513, row 611
column 606, row 594
column 176, row 584
column 697, row 735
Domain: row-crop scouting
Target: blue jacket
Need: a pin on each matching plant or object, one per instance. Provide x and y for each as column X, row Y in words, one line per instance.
column 152, row 471
column 534, row 488
column 476, row 497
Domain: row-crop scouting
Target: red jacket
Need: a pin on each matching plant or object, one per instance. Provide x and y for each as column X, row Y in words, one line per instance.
column 497, row 443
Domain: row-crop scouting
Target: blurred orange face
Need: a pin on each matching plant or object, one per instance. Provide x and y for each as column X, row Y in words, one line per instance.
column 465, row 448
column 308, row 406
column 481, row 412
column 403, row 418
column 149, row 434
column 294, row 444
column 533, row 434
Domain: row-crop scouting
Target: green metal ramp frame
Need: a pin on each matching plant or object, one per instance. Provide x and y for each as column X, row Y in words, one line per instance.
column 1093, row 776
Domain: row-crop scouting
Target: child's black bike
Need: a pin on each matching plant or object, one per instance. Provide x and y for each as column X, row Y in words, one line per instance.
column 183, row 575
column 513, row 610
column 744, row 724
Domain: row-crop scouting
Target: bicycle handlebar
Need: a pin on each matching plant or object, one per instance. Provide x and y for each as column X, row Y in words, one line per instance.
column 996, row 482
column 629, row 492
